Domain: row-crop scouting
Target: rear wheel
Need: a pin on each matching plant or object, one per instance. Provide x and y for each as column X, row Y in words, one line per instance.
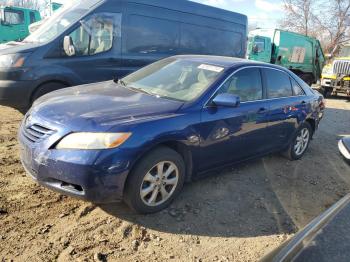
column 155, row 181
column 300, row 142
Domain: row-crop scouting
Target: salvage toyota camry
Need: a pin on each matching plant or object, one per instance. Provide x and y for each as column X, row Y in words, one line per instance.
column 140, row 138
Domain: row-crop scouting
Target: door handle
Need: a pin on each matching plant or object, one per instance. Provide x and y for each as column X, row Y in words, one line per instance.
column 262, row 110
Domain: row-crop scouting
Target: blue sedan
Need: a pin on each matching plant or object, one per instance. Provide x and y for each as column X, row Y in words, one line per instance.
column 139, row 139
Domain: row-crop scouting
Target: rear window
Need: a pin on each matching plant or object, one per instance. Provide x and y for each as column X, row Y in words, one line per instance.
column 278, row 84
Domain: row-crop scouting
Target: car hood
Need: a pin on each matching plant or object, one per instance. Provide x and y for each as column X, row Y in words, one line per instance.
column 100, row 106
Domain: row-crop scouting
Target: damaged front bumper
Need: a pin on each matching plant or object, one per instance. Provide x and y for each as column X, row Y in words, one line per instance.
column 94, row 175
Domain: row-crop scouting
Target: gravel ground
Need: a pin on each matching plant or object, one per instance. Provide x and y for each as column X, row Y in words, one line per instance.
column 237, row 215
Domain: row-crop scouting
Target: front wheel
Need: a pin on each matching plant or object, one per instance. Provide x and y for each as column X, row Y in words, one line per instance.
column 155, row 181
column 300, row 142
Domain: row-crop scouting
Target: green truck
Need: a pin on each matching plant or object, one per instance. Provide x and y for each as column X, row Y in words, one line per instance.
column 301, row 54
column 55, row 6
column 14, row 23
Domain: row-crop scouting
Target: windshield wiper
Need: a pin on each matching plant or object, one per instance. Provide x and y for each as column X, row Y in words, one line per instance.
column 141, row 91
column 119, row 81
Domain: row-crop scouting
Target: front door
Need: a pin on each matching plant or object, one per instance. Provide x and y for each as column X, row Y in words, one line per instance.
column 97, row 44
column 233, row 134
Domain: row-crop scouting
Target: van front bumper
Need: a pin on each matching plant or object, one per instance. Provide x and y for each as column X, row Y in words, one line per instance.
column 15, row 94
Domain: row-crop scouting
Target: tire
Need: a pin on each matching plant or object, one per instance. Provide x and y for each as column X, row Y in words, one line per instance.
column 293, row 152
column 45, row 89
column 144, row 177
column 327, row 92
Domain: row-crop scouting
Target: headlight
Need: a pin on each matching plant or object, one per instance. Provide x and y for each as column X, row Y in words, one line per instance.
column 12, row 60
column 93, row 141
column 327, row 70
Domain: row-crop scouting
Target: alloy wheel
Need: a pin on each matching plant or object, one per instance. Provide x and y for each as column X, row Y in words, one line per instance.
column 159, row 183
column 302, row 141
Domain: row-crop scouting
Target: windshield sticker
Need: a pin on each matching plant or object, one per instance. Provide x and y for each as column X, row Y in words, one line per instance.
column 211, row 68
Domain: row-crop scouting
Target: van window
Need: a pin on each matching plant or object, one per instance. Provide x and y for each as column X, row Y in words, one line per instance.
column 278, row 84
column 32, row 17
column 246, row 84
column 14, row 17
column 203, row 40
column 151, row 35
column 94, row 35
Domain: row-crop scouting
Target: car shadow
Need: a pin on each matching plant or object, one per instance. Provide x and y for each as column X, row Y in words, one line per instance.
column 236, row 202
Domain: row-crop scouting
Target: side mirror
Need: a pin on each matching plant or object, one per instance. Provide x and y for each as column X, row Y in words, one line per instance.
column 226, row 100
column 68, row 46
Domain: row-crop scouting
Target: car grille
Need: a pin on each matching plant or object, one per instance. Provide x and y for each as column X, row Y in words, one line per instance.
column 342, row 67
column 36, row 132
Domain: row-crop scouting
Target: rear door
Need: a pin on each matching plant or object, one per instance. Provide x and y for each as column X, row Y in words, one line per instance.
column 233, row 134
column 286, row 107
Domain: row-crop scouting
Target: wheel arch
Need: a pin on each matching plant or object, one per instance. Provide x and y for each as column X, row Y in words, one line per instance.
column 41, row 84
column 180, row 147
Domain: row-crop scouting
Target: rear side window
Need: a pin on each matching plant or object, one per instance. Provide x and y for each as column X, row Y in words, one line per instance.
column 146, row 35
column 246, row 84
column 297, row 90
column 278, row 84
column 203, row 40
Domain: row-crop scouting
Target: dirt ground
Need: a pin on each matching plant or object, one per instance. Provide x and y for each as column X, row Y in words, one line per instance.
column 238, row 215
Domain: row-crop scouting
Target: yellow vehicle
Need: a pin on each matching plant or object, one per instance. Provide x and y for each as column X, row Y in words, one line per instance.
column 336, row 75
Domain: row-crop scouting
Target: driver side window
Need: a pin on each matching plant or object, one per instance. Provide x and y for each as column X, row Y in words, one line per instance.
column 95, row 35
column 246, row 84
column 14, row 17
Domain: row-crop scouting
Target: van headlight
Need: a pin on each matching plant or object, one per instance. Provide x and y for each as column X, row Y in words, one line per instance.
column 12, row 60
column 93, row 141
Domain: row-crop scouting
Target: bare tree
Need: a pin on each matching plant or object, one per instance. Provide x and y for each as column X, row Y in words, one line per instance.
column 32, row 4
column 327, row 20
column 299, row 16
column 334, row 24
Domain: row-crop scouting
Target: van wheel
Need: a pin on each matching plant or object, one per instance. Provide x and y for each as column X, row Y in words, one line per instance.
column 45, row 89
column 300, row 142
column 155, row 181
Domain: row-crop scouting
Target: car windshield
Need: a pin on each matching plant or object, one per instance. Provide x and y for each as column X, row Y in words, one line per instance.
column 57, row 24
column 177, row 79
column 345, row 51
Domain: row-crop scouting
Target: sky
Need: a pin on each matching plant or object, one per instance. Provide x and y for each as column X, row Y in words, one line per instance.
column 264, row 13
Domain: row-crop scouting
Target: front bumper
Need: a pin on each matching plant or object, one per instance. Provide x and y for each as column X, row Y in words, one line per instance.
column 94, row 175
column 339, row 85
column 344, row 150
column 16, row 94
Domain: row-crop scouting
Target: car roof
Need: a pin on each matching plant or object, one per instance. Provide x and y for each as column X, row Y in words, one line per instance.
column 226, row 62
